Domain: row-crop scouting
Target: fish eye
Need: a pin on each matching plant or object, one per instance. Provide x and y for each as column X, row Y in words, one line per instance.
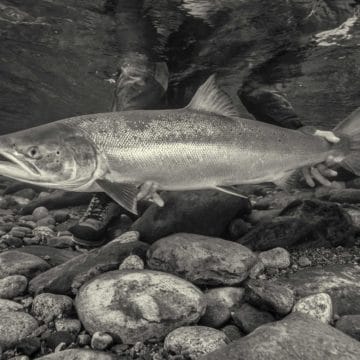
column 33, row 152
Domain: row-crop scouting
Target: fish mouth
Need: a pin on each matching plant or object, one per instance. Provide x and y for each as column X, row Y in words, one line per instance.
column 12, row 167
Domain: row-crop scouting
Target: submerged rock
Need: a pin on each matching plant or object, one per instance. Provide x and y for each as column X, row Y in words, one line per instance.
column 138, row 305
column 18, row 263
column 14, row 326
column 205, row 212
column 201, row 259
column 194, row 341
column 296, row 336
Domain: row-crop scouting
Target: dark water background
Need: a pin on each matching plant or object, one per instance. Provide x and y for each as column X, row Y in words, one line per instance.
column 61, row 58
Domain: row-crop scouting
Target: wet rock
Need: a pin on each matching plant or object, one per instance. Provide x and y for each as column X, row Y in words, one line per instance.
column 69, row 325
column 18, row 263
column 248, row 318
column 47, row 307
column 270, row 296
column 205, row 212
column 132, row 262
column 219, row 304
column 61, row 242
column 341, row 282
column 76, row 354
column 138, row 305
column 319, row 306
column 303, row 223
column 59, row 279
column 278, row 258
column 14, row 326
column 194, row 341
column 232, row 332
column 9, row 305
column 296, row 335
column 40, row 213
column 59, row 337
column 101, row 341
column 238, row 228
column 201, row 259
column 350, row 325
column 12, row 286
column 29, row 346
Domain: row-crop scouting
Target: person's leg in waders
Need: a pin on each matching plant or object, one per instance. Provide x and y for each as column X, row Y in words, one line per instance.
column 141, row 84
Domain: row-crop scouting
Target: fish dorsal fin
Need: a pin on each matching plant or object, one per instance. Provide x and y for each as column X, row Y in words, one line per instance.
column 210, row 98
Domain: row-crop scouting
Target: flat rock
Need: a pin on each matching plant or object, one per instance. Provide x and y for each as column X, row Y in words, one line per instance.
column 194, row 341
column 219, row 302
column 58, row 280
column 269, row 296
column 138, row 305
column 12, row 286
column 341, row 282
column 350, row 325
column 248, row 318
column 79, row 354
column 278, row 258
column 303, row 224
column 18, row 263
column 298, row 336
column 201, row 259
column 14, row 326
column 205, row 212
column 318, row 306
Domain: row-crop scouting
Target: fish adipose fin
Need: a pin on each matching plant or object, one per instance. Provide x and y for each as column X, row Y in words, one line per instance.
column 350, row 127
column 232, row 190
column 210, row 98
column 123, row 194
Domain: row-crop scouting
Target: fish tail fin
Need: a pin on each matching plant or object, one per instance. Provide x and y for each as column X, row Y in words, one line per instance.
column 350, row 129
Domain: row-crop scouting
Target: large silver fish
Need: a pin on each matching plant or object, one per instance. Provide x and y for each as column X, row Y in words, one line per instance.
column 205, row 145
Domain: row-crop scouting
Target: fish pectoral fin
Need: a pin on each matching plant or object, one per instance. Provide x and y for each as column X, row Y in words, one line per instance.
column 232, row 190
column 124, row 194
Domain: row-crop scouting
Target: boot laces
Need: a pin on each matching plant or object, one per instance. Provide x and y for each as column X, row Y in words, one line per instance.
column 97, row 209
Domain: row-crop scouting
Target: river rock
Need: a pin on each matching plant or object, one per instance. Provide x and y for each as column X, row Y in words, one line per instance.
column 132, row 262
column 348, row 196
column 47, row 307
column 303, row 223
column 318, row 306
column 40, row 212
column 101, row 340
column 232, row 332
column 138, row 305
column 219, row 304
column 297, row 336
column 341, row 282
column 12, row 286
column 108, row 257
column 69, row 325
column 29, row 345
column 248, row 318
column 270, row 296
column 77, row 354
column 194, row 341
column 204, row 212
column 14, row 262
column 278, row 258
column 9, row 305
column 350, row 325
column 201, row 259
column 14, row 326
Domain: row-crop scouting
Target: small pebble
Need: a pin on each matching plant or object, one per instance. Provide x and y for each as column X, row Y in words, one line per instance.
column 61, row 216
column 101, row 340
column 69, row 325
column 278, row 258
column 257, row 269
column 232, row 332
column 83, row 339
column 304, row 261
column 40, row 213
column 132, row 262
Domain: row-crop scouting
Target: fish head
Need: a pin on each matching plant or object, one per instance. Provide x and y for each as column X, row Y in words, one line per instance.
column 53, row 155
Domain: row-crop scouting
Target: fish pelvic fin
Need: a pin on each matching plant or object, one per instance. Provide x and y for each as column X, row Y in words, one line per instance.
column 124, row 194
column 288, row 180
column 232, row 190
column 350, row 128
column 210, row 98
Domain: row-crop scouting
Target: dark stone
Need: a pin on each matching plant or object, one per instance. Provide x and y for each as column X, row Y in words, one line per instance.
column 347, row 196
column 205, row 212
column 54, row 339
column 350, row 325
column 269, row 296
column 237, row 229
column 341, row 282
column 29, row 346
column 248, row 318
column 58, row 280
column 303, row 223
column 297, row 336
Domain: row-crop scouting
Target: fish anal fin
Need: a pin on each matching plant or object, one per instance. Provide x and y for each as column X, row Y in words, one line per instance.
column 122, row 193
column 232, row 190
column 210, row 98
